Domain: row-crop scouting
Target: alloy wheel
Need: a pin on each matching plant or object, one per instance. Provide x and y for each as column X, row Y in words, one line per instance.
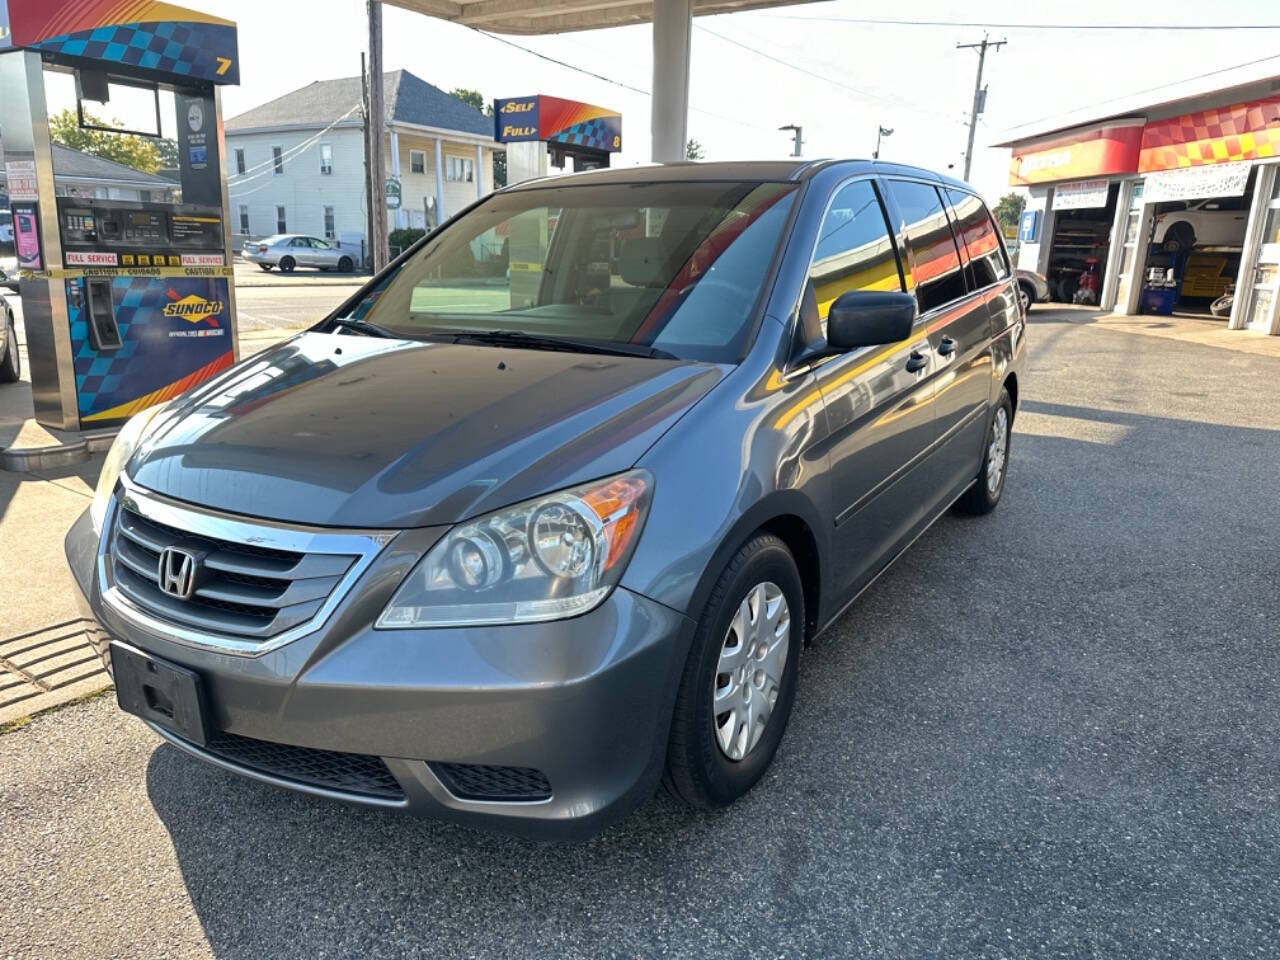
column 997, row 450
column 749, row 674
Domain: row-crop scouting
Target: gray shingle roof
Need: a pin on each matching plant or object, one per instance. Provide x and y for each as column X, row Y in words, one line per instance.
column 74, row 163
column 409, row 99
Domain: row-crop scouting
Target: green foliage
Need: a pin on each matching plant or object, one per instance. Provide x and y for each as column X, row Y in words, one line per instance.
column 693, row 150
column 499, row 169
column 405, row 237
column 1009, row 210
column 474, row 99
column 140, row 153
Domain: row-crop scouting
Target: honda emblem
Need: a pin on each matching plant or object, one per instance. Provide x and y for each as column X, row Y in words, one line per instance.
column 177, row 573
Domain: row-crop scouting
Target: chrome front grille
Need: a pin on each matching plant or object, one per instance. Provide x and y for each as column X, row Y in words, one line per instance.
column 258, row 584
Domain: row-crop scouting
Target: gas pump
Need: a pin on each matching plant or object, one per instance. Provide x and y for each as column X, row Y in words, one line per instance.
column 126, row 303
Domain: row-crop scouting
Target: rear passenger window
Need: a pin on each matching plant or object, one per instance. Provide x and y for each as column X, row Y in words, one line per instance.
column 855, row 248
column 979, row 236
column 935, row 270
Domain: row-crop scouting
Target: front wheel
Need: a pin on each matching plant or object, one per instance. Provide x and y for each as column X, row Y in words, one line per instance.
column 1025, row 297
column 739, row 681
column 10, row 363
column 984, row 495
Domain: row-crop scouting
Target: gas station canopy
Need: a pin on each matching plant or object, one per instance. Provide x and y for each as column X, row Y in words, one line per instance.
column 564, row 16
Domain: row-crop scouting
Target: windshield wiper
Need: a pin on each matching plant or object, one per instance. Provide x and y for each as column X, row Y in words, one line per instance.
column 365, row 327
column 534, row 341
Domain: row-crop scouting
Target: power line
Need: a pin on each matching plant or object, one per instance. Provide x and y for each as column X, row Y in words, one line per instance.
column 600, row 76
column 891, row 22
column 891, row 101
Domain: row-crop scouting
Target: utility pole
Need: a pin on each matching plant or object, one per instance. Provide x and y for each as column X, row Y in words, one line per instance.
column 368, row 167
column 979, row 93
column 376, row 120
column 797, row 131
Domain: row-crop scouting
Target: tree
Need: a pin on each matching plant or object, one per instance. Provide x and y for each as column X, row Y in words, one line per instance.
column 140, row 153
column 499, row 169
column 693, row 150
column 1009, row 210
column 473, row 99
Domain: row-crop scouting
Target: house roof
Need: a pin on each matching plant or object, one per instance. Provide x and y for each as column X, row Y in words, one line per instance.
column 409, row 99
column 78, row 165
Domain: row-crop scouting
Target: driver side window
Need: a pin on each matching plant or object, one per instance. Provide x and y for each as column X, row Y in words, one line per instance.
column 855, row 249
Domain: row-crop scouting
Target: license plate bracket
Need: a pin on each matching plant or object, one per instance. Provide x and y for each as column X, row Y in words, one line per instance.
column 163, row 693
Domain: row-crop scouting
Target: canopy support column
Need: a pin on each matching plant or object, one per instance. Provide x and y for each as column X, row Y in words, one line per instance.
column 669, row 119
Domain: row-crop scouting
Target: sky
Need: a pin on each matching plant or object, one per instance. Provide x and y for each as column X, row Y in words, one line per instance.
column 753, row 72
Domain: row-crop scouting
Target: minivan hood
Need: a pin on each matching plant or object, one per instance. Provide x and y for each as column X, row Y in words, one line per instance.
column 356, row 431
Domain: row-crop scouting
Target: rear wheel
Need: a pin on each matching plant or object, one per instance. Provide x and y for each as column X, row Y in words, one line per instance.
column 984, row 495
column 1179, row 237
column 739, row 681
column 265, row 266
column 287, row 264
column 11, row 363
column 345, row 265
column 1026, row 296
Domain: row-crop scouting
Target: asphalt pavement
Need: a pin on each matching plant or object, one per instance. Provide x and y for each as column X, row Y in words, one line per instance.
column 1051, row 732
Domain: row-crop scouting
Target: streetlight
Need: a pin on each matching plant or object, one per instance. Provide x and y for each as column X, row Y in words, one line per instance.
column 881, row 132
column 798, row 142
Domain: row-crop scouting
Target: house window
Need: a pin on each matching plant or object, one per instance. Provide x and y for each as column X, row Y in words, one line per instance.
column 239, row 160
column 277, row 158
column 326, row 158
column 281, row 225
column 417, row 161
column 244, row 218
column 462, row 170
column 329, row 232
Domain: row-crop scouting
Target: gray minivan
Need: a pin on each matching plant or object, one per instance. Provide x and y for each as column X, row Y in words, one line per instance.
column 543, row 515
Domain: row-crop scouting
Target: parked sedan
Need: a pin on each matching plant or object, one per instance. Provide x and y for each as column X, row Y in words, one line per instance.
column 10, row 360
column 1032, row 288
column 1204, row 223
column 291, row 250
column 513, row 553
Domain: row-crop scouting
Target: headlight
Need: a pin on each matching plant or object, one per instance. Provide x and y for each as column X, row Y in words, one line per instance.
column 549, row 558
column 127, row 441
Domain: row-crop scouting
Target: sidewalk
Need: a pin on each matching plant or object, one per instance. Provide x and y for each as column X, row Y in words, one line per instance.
column 1188, row 328
column 45, row 660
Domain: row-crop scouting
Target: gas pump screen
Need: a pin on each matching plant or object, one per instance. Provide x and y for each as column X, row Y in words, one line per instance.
column 145, row 226
column 196, row 231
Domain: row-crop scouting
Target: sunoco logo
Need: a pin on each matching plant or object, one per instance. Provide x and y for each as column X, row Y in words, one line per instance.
column 193, row 308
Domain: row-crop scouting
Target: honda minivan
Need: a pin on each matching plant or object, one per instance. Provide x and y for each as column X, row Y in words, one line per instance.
column 544, row 515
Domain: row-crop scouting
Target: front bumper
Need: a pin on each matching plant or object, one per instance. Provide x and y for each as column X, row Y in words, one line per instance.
column 587, row 702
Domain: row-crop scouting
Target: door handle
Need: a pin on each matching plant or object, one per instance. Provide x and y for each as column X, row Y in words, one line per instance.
column 917, row 361
column 947, row 347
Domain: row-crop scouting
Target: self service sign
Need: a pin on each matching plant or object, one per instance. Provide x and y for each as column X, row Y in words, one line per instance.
column 556, row 120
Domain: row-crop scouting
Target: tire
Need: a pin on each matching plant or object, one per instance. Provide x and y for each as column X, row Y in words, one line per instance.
column 1179, row 237
column 984, row 496
column 11, row 364
column 1026, row 297
column 699, row 770
column 323, row 269
column 345, row 265
column 287, row 264
column 266, row 267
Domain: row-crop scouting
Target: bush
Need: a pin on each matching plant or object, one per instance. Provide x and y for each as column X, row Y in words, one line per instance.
column 405, row 237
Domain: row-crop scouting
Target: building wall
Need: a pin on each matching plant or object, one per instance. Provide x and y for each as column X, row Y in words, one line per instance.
column 305, row 191
column 415, row 187
column 302, row 189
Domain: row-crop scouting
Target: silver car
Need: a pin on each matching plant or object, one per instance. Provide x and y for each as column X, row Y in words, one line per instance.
column 290, row 250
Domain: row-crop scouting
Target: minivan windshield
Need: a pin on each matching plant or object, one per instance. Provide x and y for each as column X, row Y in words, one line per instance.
column 676, row 268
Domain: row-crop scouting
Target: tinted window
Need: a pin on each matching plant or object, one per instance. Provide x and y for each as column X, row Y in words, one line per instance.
column 677, row 266
column 935, row 270
column 980, row 239
column 855, row 248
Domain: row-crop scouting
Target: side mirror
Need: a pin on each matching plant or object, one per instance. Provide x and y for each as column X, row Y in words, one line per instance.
column 866, row 318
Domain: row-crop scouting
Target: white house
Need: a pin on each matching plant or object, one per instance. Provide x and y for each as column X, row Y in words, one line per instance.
column 296, row 163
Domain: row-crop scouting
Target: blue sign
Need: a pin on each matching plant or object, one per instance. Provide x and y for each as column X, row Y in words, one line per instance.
column 1029, row 231
column 516, row 119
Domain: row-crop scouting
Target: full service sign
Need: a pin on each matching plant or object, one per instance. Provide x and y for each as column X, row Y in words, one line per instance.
column 516, row 119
